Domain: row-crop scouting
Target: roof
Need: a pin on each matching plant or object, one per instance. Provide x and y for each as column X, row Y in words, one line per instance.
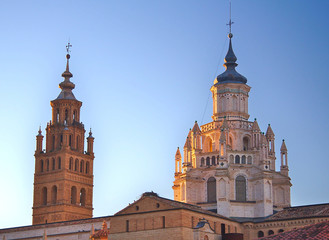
column 230, row 75
column 166, row 204
column 269, row 131
column 314, row 231
column 318, row 210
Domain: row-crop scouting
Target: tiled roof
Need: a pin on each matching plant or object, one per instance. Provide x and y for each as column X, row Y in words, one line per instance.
column 318, row 210
column 312, row 232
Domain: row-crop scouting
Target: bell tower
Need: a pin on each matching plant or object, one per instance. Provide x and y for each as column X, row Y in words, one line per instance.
column 63, row 177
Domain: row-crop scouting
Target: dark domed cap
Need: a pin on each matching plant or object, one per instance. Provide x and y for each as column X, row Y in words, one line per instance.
column 230, row 75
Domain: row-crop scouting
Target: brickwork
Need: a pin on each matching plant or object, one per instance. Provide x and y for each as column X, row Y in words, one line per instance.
column 63, row 178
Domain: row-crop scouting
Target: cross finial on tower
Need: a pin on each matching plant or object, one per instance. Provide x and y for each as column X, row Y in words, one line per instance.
column 68, row 46
column 230, row 22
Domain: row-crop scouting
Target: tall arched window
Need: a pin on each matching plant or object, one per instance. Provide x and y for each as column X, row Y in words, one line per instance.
column 237, row 159
column 47, row 165
column 59, row 163
column 270, row 232
column 213, row 160
column 41, row 166
column 71, row 164
column 66, row 115
column 249, row 160
column 208, row 161
column 87, row 167
column 76, row 166
column 54, row 195
column 211, row 190
column 44, row 196
column 53, row 164
column 70, row 140
column 78, row 139
column 243, row 159
column 57, row 115
column 83, row 197
column 82, row 166
column 240, row 189
column 74, row 115
column 245, row 144
column 73, row 195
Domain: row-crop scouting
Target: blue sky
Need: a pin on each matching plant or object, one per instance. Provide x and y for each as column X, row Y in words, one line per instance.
column 143, row 70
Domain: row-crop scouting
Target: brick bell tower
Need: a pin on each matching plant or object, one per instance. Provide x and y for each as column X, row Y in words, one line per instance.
column 63, row 178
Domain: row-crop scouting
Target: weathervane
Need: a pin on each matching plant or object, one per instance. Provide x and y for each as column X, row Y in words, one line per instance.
column 230, row 22
column 68, row 46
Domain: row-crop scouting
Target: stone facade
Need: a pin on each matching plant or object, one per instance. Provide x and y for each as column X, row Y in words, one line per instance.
column 63, row 178
column 229, row 164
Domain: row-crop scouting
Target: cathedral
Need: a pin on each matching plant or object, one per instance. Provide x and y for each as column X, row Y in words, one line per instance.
column 226, row 185
column 229, row 163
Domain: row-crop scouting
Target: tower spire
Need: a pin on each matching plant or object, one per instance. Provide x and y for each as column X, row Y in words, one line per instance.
column 67, row 85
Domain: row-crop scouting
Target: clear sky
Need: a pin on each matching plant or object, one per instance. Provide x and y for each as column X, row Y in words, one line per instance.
column 143, row 70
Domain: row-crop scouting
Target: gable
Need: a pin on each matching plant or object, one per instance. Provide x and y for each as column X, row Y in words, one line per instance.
column 146, row 204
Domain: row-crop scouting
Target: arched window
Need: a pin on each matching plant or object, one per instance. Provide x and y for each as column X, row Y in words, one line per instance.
column 270, row 232
column 245, row 144
column 76, row 166
column 82, row 166
column 237, row 159
column 61, row 140
column 82, row 197
column 41, row 165
column 78, row 139
column 243, row 159
column 44, row 196
column 66, row 115
column 70, row 140
column 208, row 161
column 260, row 234
column 240, row 189
column 249, row 160
column 54, row 195
column 73, row 195
column 74, row 115
column 280, row 231
column 211, row 190
column 53, row 164
column 71, row 164
column 57, row 115
column 213, row 160
column 202, row 161
column 87, row 167
column 47, row 165
column 59, row 163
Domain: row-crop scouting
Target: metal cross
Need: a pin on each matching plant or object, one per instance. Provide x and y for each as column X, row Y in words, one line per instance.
column 68, row 47
column 230, row 22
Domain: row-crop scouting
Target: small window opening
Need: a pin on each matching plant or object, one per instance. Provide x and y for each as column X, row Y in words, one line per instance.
column 127, row 225
column 53, row 164
column 59, row 163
